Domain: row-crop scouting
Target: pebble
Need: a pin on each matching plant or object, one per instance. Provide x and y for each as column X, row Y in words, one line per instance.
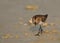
column 54, row 31
column 46, row 31
column 6, row 36
column 17, row 36
column 20, row 22
column 52, row 24
column 31, row 7
column 45, row 24
column 25, row 24
column 26, row 34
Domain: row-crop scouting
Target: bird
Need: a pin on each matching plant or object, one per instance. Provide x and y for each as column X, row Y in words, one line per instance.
column 39, row 19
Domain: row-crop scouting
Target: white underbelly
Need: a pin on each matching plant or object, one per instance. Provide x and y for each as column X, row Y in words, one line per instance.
column 40, row 23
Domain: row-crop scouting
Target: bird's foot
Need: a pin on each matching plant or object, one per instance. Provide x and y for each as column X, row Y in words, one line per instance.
column 37, row 35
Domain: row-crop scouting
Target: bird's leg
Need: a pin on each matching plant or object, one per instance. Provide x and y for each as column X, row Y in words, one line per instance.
column 40, row 31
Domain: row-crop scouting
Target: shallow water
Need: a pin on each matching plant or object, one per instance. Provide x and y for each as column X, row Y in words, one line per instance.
column 13, row 17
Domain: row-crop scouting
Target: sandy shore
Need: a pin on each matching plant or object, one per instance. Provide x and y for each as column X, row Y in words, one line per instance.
column 14, row 16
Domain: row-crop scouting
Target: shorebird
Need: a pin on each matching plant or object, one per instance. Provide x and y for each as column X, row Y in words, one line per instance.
column 39, row 19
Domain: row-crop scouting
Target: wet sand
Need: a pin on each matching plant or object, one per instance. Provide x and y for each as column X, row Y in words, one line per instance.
column 14, row 17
